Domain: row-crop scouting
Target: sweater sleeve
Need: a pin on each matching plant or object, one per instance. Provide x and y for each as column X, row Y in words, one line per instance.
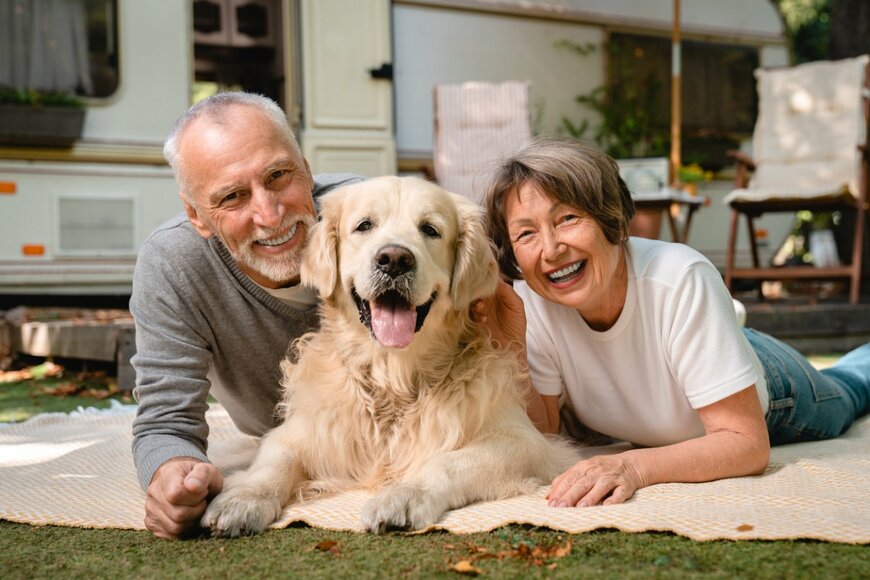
column 171, row 363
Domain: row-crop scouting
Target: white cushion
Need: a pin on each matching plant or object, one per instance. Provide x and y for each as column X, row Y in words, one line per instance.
column 810, row 122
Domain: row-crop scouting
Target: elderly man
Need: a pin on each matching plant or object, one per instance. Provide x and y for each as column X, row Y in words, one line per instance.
column 216, row 298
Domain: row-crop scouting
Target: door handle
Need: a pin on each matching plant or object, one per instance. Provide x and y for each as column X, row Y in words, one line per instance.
column 384, row 72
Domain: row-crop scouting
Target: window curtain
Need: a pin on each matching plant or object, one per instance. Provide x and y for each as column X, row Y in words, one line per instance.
column 44, row 46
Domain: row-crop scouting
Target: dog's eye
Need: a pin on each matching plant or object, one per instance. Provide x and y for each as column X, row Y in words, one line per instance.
column 363, row 226
column 429, row 231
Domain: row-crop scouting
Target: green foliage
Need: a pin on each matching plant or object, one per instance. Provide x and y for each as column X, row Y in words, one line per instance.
column 693, row 173
column 820, row 220
column 537, row 120
column 36, row 98
column 808, row 25
column 624, row 108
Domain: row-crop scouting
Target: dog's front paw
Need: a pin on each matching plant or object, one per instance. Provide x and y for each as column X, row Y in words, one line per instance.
column 401, row 508
column 241, row 511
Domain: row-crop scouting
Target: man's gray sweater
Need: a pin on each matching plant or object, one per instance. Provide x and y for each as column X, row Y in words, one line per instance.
column 201, row 325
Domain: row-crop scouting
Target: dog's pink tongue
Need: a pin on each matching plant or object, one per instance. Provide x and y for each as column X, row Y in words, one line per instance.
column 393, row 327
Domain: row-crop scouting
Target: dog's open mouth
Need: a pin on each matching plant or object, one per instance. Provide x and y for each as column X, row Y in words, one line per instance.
column 391, row 318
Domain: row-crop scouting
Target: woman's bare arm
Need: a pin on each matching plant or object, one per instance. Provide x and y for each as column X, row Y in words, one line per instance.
column 735, row 444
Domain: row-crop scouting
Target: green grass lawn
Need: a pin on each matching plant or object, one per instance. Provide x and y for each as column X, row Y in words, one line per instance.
column 299, row 551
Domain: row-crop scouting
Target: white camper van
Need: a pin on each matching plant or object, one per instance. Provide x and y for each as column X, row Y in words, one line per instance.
column 355, row 76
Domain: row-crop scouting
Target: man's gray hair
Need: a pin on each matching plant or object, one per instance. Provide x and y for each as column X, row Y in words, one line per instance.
column 216, row 108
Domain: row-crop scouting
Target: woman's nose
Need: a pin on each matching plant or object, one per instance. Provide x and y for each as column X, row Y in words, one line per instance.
column 553, row 246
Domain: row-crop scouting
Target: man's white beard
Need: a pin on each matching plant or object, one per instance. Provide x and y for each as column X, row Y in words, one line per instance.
column 283, row 267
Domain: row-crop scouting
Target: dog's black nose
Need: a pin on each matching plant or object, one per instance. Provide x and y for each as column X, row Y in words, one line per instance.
column 395, row 261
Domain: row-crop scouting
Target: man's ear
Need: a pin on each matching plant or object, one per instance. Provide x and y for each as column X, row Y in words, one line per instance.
column 319, row 269
column 200, row 225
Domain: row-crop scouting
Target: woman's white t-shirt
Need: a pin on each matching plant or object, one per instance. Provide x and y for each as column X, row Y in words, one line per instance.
column 676, row 347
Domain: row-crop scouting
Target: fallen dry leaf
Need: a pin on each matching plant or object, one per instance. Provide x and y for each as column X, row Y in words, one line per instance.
column 325, row 545
column 562, row 551
column 15, row 376
column 745, row 528
column 99, row 394
column 466, row 567
column 531, row 554
column 536, row 556
column 47, row 369
column 330, row 546
column 63, row 389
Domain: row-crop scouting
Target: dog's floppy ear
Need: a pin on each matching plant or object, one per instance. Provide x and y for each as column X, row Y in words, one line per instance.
column 319, row 269
column 475, row 271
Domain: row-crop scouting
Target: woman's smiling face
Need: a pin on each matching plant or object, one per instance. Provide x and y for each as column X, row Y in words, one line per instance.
column 565, row 257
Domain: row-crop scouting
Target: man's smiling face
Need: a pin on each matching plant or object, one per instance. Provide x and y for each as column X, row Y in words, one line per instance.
column 252, row 189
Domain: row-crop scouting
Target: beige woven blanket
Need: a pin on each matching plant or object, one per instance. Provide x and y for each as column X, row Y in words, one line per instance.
column 77, row 471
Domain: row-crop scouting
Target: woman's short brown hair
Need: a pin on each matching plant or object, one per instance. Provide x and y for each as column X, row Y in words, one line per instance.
column 568, row 172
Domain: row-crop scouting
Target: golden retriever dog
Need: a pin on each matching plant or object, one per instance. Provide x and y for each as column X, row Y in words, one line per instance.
column 400, row 392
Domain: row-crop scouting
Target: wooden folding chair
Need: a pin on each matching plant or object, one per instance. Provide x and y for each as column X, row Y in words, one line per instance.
column 810, row 153
column 476, row 124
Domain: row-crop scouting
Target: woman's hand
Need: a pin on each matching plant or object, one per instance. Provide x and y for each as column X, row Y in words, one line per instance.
column 504, row 316
column 605, row 479
column 735, row 443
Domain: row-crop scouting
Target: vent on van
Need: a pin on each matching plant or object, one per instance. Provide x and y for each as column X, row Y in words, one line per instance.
column 96, row 226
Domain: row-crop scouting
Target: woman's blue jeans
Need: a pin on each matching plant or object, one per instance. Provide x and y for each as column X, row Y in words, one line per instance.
column 807, row 404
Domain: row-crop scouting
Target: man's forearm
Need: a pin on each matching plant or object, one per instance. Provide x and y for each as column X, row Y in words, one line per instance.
column 153, row 450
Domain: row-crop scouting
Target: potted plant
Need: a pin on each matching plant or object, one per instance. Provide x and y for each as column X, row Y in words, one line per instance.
column 40, row 118
column 690, row 175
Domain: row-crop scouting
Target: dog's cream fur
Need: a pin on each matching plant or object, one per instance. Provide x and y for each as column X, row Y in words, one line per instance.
column 430, row 426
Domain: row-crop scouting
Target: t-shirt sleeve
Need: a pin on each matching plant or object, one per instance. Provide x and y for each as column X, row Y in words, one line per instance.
column 544, row 368
column 707, row 350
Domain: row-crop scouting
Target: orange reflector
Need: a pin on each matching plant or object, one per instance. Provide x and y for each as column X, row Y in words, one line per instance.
column 33, row 250
column 8, row 187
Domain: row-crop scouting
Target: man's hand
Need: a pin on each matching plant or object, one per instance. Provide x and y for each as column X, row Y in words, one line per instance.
column 503, row 314
column 177, row 494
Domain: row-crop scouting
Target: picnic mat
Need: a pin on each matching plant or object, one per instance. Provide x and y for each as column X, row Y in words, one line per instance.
column 76, row 470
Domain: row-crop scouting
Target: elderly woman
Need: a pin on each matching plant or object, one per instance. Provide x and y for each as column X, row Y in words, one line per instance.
column 639, row 339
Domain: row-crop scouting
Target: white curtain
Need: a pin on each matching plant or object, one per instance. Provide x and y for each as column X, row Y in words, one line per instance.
column 44, row 45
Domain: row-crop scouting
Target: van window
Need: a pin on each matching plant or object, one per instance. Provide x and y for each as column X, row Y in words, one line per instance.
column 66, row 47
